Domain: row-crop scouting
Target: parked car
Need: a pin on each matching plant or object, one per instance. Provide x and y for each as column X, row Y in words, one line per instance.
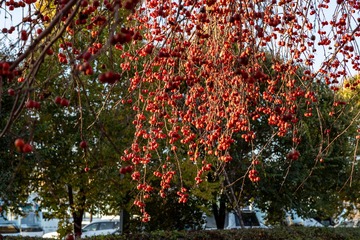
column 348, row 223
column 96, row 228
column 249, row 217
column 31, row 231
column 293, row 219
column 9, row 229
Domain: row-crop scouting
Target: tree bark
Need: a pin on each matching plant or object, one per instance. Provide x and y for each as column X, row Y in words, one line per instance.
column 219, row 212
column 77, row 213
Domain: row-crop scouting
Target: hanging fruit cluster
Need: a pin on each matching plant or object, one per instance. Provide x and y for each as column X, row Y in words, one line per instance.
column 200, row 70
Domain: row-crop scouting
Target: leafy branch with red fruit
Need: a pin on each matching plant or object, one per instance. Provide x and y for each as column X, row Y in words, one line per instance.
column 194, row 71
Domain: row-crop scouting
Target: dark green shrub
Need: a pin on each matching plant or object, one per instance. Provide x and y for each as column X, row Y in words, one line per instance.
column 278, row 233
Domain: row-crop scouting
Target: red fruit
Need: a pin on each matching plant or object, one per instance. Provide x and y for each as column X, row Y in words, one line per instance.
column 19, row 143
column 256, row 162
column 96, row 3
column 293, row 155
column 58, row 100
column 89, row 71
column 37, row 105
column 30, row 104
column 129, row 169
column 46, row 18
column 253, row 172
column 84, row 3
column 136, row 176
column 86, row 55
column 86, row 169
column 123, row 170
column 49, row 51
column 83, row 144
column 27, row 148
column 5, row 66
column 102, row 78
column 64, row 102
column 109, row 77
column 23, row 35
column 11, row 92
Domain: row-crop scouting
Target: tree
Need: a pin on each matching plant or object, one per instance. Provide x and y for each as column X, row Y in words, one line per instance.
column 200, row 77
column 315, row 182
column 78, row 167
column 16, row 166
column 74, row 157
column 263, row 169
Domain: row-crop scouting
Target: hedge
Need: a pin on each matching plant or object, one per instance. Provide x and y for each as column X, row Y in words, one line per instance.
column 278, row 233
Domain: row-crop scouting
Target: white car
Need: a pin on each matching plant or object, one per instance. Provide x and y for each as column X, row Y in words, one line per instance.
column 96, row 228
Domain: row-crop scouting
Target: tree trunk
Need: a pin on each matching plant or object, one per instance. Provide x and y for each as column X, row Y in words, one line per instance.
column 233, row 199
column 126, row 222
column 238, row 214
column 219, row 213
column 77, row 213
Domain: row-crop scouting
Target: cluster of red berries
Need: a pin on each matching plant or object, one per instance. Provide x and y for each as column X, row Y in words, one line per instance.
column 62, row 101
column 130, row 4
column 8, row 30
column 109, row 77
column 11, row 4
column 32, row 104
column 293, row 155
column 23, row 147
column 124, row 36
column 253, row 175
column 184, row 197
column 136, row 176
column 5, row 69
column 127, row 169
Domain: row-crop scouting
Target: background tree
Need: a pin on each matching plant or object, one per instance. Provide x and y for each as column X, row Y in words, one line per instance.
column 311, row 183
column 16, row 166
column 349, row 93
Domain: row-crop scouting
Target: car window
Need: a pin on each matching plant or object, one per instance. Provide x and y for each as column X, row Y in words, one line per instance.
column 106, row 225
column 249, row 219
column 91, row 227
column 8, row 229
column 117, row 224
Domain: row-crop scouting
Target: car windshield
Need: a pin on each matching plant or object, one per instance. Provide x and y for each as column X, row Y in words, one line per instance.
column 91, row 227
column 100, row 226
column 8, row 228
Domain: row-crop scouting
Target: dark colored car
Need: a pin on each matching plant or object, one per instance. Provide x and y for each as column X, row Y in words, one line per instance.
column 9, row 229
